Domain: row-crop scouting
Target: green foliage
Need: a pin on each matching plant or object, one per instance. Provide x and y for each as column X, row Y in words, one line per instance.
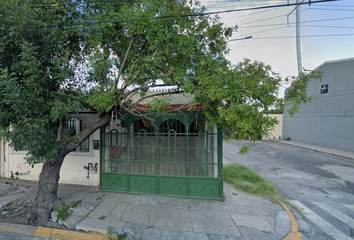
column 75, row 203
column 296, row 94
column 34, row 64
column 114, row 235
column 102, row 217
column 52, row 63
column 62, row 210
column 159, row 105
column 279, row 110
column 248, row 181
column 233, row 97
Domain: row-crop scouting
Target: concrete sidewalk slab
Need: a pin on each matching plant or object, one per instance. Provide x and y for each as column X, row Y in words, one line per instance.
column 137, row 214
column 6, row 200
column 104, row 209
column 91, row 224
column 117, row 212
column 240, row 216
column 171, row 218
column 213, row 221
column 259, row 223
column 282, row 223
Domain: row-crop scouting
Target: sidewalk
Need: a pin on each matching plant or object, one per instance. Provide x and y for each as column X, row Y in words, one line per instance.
column 316, row 148
column 240, row 216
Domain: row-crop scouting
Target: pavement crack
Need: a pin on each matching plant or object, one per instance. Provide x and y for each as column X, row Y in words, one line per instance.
column 190, row 217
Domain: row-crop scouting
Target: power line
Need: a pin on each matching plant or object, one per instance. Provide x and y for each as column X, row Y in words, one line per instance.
column 333, row 9
column 78, row 3
column 310, row 21
column 267, row 30
column 305, row 36
column 321, row 26
column 265, row 19
column 277, row 28
column 272, row 29
column 192, row 15
column 334, row 5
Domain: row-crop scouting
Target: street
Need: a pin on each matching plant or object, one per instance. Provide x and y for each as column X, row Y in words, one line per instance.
column 321, row 185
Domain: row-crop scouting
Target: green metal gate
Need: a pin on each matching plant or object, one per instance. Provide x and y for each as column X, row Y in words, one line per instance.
column 176, row 155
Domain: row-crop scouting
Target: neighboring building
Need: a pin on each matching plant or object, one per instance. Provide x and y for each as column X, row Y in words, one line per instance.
column 277, row 132
column 328, row 120
column 173, row 154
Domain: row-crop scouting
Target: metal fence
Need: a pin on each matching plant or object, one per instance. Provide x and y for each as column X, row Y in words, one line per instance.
column 168, row 159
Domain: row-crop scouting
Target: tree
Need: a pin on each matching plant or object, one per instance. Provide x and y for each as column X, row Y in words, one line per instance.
column 56, row 59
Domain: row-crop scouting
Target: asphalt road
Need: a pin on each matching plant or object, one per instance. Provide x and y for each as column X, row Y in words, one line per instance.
column 20, row 236
column 321, row 185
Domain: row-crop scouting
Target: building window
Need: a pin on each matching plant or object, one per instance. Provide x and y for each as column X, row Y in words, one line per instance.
column 324, row 88
column 172, row 124
column 75, row 126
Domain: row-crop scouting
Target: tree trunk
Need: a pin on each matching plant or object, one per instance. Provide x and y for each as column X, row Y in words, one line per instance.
column 46, row 197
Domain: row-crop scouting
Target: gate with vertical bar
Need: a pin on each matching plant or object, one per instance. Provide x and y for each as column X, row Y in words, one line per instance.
column 175, row 155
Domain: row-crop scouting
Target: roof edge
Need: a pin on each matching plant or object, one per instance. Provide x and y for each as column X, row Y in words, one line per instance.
column 334, row 61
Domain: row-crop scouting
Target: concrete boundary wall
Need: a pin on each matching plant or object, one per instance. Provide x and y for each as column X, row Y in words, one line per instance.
column 328, row 120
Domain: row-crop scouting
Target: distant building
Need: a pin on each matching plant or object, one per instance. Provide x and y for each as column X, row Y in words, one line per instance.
column 329, row 119
column 277, row 132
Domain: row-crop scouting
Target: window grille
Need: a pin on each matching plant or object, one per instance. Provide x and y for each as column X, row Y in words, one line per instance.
column 75, row 126
column 324, row 88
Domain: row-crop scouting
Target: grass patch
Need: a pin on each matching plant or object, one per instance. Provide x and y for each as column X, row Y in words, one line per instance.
column 63, row 211
column 247, row 180
column 114, row 235
column 74, row 203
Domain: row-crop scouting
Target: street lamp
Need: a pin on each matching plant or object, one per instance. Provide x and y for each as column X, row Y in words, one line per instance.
column 247, row 37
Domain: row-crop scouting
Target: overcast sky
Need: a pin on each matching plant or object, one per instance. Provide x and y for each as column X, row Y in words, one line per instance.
column 327, row 32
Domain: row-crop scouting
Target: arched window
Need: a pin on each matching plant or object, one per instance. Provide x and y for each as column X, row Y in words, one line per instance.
column 144, row 124
column 172, row 124
column 75, row 126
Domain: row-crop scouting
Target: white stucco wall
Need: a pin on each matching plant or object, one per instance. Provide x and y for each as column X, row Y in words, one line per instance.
column 277, row 133
column 72, row 170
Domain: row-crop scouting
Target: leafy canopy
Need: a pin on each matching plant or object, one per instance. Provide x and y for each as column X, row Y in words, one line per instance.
column 58, row 57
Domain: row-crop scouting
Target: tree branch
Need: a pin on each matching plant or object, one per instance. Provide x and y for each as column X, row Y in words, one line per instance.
column 131, row 75
column 91, row 128
column 148, row 86
column 123, row 63
column 158, row 94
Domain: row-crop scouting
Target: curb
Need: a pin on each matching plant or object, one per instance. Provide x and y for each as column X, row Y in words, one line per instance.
column 314, row 149
column 293, row 234
column 44, row 232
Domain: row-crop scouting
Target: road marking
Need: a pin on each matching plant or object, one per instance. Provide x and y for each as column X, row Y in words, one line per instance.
column 321, row 223
column 351, row 207
column 336, row 213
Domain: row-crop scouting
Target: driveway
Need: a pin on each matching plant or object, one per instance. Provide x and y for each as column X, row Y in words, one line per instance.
column 321, row 185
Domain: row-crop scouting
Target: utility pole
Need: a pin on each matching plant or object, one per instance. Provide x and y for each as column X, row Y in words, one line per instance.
column 298, row 44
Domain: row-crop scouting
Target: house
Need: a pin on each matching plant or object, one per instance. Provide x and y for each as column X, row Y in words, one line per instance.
column 172, row 154
column 328, row 120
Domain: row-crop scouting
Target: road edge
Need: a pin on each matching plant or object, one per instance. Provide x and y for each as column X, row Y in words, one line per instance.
column 313, row 148
column 293, row 234
column 45, row 232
